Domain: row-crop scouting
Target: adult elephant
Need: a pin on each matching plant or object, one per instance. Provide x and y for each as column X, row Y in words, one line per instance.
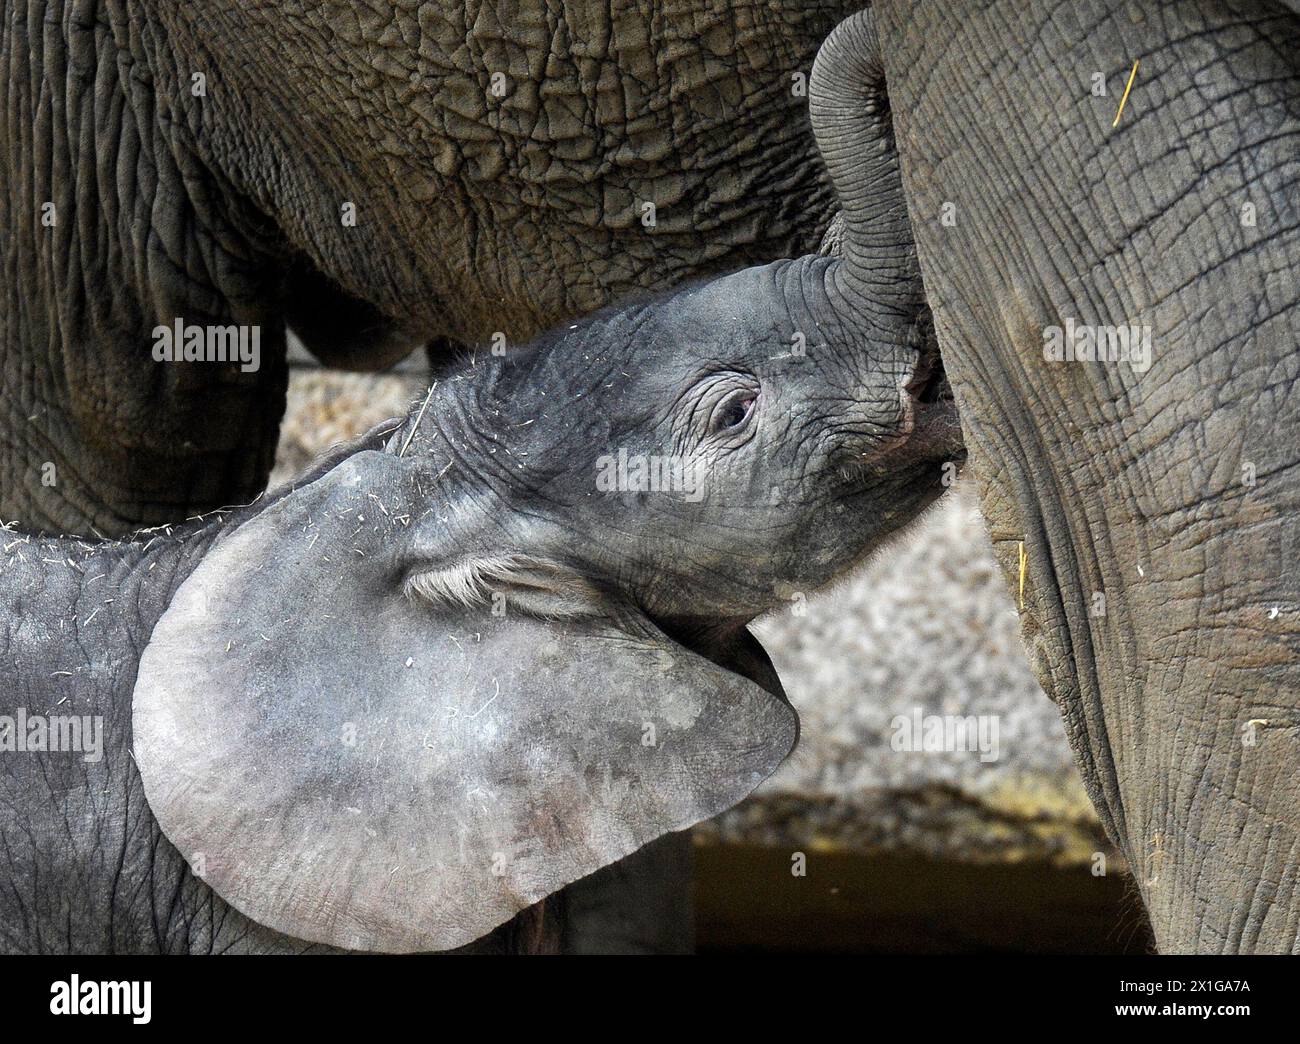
column 375, row 175
column 1157, row 508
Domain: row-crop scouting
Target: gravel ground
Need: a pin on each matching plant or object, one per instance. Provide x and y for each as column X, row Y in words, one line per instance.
column 926, row 624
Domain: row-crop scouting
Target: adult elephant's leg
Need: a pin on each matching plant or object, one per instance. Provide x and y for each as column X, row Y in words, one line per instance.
column 113, row 226
column 1158, row 509
column 98, row 438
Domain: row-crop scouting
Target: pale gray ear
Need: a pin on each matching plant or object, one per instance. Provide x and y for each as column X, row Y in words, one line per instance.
column 374, row 439
column 352, row 766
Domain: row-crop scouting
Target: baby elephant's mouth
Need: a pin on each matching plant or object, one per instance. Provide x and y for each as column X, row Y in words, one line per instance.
column 931, row 410
column 929, row 384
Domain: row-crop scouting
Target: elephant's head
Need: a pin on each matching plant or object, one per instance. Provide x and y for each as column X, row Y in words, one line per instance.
column 705, row 454
column 505, row 645
column 698, row 458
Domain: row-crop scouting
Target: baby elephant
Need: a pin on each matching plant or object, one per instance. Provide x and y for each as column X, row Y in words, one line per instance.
column 486, row 650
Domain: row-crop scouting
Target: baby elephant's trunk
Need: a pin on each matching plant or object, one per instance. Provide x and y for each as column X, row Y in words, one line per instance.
column 849, row 108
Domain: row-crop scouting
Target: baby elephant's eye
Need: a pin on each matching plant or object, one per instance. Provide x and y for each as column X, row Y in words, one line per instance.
column 732, row 412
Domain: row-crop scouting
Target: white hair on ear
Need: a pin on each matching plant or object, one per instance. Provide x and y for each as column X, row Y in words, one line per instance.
column 533, row 585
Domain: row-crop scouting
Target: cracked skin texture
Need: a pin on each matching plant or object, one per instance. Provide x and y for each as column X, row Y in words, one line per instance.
column 1122, row 483
column 475, row 213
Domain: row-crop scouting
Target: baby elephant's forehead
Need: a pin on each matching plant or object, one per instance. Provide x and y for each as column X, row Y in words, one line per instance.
column 727, row 324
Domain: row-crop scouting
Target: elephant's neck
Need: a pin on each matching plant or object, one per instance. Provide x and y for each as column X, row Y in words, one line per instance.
column 99, row 598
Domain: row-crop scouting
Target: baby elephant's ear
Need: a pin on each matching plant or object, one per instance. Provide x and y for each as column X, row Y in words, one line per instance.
column 353, row 766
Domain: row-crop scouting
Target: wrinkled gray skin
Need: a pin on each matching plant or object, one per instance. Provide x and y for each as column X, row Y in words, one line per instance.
column 85, row 866
column 622, row 609
column 1182, row 701
column 474, row 214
